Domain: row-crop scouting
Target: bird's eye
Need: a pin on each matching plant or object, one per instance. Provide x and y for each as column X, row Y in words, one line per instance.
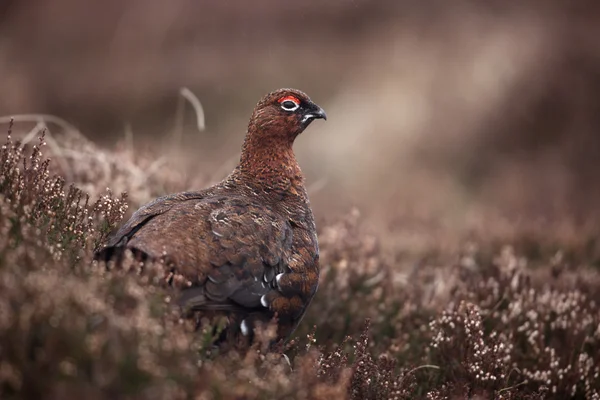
column 289, row 105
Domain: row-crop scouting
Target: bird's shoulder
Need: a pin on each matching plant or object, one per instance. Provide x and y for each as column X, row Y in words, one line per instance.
column 156, row 207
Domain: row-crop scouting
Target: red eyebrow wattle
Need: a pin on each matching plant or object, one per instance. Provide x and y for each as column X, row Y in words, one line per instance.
column 290, row 98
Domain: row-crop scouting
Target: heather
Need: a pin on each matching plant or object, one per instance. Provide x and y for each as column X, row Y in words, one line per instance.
column 511, row 316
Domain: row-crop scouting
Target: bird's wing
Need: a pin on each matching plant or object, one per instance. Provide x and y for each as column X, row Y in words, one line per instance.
column 231, row 249
column 147, row 212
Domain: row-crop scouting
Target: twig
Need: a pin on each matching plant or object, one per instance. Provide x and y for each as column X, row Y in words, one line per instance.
column 186, row 94
column 430, row 366
column 198, row 109
column 45, row 118
column 511, row 371
column 512, row 387
column 37, row 129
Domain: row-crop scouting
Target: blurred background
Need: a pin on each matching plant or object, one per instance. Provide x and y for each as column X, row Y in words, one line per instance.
column 441, row 114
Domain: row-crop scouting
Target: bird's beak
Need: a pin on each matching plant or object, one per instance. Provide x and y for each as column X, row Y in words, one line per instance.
column 315, row 112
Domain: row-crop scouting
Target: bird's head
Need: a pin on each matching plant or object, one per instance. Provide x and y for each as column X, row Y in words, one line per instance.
column 283, row 114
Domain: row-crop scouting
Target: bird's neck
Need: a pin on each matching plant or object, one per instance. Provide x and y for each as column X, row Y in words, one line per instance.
column 271, row 163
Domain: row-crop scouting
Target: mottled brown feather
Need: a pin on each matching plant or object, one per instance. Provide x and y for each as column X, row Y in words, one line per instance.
column 248, row 241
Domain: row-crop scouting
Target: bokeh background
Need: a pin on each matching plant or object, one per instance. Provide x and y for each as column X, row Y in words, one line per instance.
column 446, row 115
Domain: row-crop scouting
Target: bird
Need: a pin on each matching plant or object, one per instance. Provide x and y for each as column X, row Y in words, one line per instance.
column 248, row 245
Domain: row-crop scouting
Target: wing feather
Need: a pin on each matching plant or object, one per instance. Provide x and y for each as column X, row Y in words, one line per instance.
column 230, row 248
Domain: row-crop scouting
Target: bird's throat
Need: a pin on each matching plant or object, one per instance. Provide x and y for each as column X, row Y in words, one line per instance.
column 271, row 164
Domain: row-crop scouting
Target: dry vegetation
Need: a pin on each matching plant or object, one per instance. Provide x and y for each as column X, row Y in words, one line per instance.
column 484, row 321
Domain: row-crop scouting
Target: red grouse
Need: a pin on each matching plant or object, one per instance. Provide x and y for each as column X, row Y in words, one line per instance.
column 248, row 245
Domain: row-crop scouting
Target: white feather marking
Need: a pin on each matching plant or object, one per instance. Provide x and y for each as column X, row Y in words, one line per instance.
column 244, row 327
column 277, row 278
column 263, row 301
column 217, row 234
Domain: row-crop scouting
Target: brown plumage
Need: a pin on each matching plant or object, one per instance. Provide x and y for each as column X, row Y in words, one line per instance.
column 248, row 245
